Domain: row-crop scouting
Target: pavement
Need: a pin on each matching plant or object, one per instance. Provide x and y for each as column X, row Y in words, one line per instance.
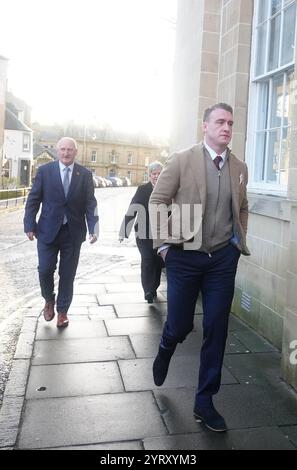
column 90, row 386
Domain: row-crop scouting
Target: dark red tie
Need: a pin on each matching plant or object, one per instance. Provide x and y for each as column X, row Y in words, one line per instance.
column 217, row 161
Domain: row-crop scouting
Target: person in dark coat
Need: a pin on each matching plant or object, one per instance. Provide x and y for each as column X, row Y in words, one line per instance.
column 138, row 215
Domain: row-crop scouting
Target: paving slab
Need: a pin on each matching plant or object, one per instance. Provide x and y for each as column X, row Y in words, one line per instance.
column 129, row 326
column 243, row 406
column 253, row 341
column 57, row 422
column 81, row 300
column 140, row 309
column 183, row 372
column 176, row 408
column 89, row 289
column 125, row 298
column 255, row 405
column 101, row 279
column 131, row 277
column 16, row 384
column 78, row 329
column 269, row 438
column 194, row 441
column 10, row 420
column 255, row 367
column 124, row 287
column 101, row 312
column 146, row 345
column 123, row 445
column 93, row 378
column 81, row 350
column 290, row 433
column 127, row 271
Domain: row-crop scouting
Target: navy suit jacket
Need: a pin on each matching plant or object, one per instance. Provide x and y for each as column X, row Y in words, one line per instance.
column 79, row 206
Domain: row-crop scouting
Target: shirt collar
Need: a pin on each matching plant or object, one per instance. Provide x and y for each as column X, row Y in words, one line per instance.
column 213, row 153
column 62, row 166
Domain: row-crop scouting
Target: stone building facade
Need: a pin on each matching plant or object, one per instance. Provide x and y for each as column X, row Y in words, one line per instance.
column 3, row 82
column 244, row 52
column 109, row 154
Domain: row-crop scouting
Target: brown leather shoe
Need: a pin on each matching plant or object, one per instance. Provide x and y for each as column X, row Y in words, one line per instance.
column 62, row 320
column 49, row 310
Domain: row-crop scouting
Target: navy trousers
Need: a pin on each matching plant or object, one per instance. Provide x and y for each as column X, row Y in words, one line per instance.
column 151, row 265
column 189, row 273
column 69, row 252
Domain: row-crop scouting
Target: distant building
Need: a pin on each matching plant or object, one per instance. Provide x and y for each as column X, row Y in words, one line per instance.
column 105, row 152
column 3, row 83
column 41, row 156
column 18, row 146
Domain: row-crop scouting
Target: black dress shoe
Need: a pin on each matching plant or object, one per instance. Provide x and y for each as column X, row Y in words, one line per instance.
column 211, row 418
column 161, row 365
column 149, row 297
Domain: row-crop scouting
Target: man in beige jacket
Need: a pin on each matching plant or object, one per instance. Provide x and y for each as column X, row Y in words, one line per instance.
column 198, row 214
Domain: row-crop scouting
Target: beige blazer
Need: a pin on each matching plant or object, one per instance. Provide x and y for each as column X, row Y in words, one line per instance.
column 182, row 184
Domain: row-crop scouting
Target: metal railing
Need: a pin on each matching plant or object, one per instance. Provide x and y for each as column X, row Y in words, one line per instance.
column 13, row 197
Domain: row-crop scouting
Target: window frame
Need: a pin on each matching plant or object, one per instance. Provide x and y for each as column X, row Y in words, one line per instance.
column 94, row 154
column 26, row 145
column 254, row 105
column 130, row 158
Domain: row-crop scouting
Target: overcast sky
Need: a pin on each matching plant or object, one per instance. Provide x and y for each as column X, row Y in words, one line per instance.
column 92, row 60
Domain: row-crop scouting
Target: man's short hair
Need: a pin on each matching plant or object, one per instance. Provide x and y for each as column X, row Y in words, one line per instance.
column 208, row 111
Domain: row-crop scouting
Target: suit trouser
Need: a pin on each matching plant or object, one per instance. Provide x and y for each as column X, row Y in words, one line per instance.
column 151, row 265
column 188, row 273
column 47, row 257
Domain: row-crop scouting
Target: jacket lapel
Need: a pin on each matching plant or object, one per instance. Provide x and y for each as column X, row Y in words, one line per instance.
column 197, row 163
column 234, row 178
column 57, row 178
column 74, row 180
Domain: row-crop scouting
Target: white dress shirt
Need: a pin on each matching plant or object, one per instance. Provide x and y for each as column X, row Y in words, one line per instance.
column 62, row 172
column 213, row 154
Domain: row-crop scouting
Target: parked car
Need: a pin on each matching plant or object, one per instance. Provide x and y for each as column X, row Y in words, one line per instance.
column 126, row 181
column 108, row 182
column 115, row 181
column 101, row 182
column 95, row 182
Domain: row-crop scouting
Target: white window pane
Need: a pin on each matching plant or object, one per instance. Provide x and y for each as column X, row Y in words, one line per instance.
column 259, row 171
column 288, row 35
column 263, row 106
column 273, row 157
column 263, row 10
column 274, row 43
column 275, row 6
column 261, row 49
column 277, row 102
column 290, row 99
column 284, row 163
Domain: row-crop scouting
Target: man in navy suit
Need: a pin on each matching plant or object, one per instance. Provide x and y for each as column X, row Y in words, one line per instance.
column 66, row 192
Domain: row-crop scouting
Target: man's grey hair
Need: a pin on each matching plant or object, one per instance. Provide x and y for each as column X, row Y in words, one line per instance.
column 155, row 166
column 208, row 111
column 66, row 138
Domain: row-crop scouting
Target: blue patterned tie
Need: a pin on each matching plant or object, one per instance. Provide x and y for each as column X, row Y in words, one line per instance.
column 66, row 180
column 66, row 187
